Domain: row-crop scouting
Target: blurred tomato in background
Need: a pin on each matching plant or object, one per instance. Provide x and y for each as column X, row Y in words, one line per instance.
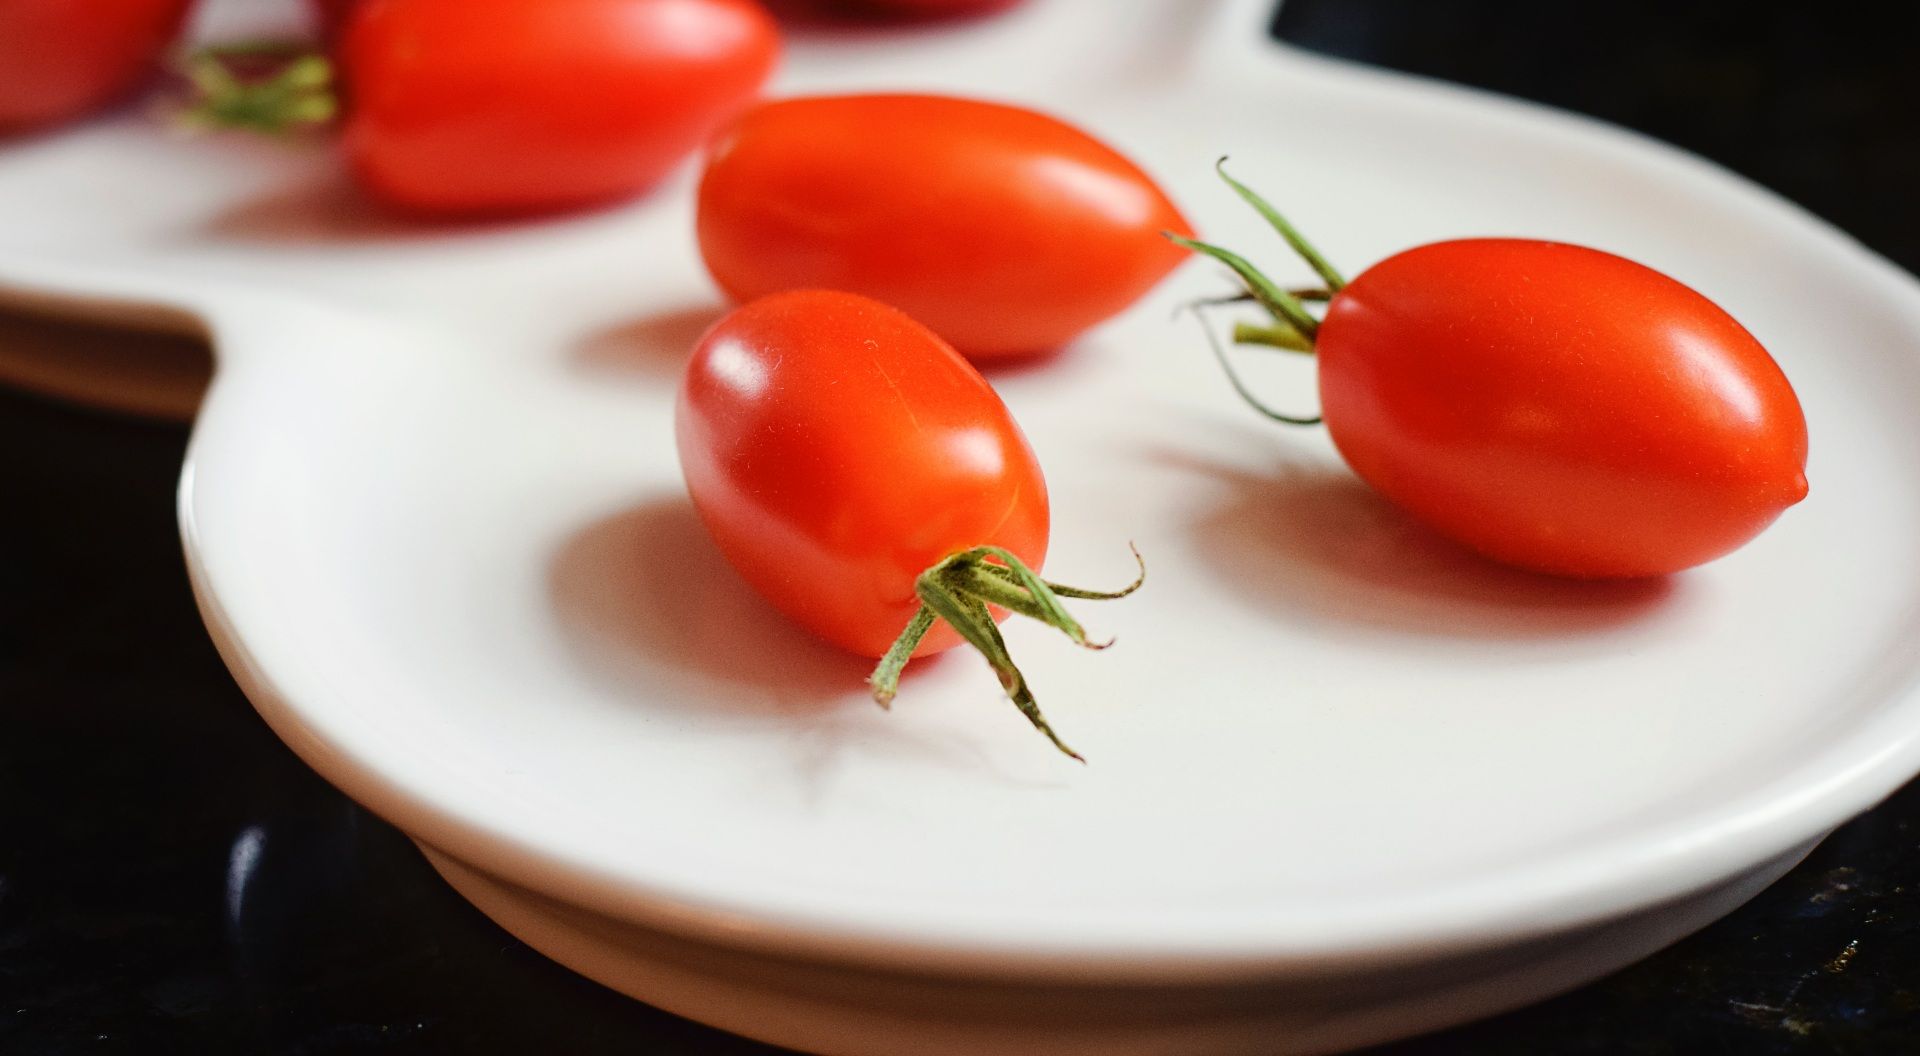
column 63, row 58
column 500, row 106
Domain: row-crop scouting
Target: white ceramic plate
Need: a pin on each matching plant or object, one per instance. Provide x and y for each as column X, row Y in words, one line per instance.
column 434, row 514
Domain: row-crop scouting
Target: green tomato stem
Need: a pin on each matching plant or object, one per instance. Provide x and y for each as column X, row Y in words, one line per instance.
column 1273, row 335
column 1293, row 237
column 1280, row 303
column 1298, row 293
column 1292, row 327
column 1239, row 386
column 295, row 91
column 886, row 677
column 1078, row 592
column 959, row 590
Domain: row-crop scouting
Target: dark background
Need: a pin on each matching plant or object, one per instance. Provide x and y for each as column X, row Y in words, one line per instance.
column 133, row 774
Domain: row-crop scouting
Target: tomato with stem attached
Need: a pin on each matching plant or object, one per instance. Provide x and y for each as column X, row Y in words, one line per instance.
column 1006, row 231
column 495, row 107
column 61, row 59
column 1554, row 407
column 869, row 483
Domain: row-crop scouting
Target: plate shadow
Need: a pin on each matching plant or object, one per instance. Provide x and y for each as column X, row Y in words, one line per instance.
column 1312, row 541
column 654, row 346
column 329, row 210
column 646, row 591
column 645, row 598
column 325, row 211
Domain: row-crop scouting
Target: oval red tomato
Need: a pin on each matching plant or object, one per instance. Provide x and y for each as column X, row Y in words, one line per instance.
column 869, row 483
column 60, row 59
column 1005, row 231
column 491, row 106
column 1559, row 408
column 836, row 449
column 1555, row 407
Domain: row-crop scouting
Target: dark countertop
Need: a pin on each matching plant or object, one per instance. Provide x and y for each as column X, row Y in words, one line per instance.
column 173, row 880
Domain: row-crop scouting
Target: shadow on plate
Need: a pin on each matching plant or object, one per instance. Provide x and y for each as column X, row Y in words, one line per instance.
column 1014, row 367
column 655, row 346
column 1312, row 541
column 646, row 591
column 331, row 210
column 649, row 604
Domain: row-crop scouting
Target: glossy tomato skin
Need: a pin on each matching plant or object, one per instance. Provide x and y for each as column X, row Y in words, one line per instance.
column 836, row 449
column 1005, row 231
column 60, row 59
column 507, row 106
column 1559, row 408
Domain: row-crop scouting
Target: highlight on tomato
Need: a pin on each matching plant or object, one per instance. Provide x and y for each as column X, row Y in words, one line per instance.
column 484, row 107
column 869, row 483
column 1006, row 231
column 63, row 59
column 1554, row 407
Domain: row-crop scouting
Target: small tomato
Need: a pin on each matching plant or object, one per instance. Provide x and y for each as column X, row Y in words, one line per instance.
column 500, row 106
column 868, row 482
column 1554, row 407
column 1006, row 231
column 60, row 59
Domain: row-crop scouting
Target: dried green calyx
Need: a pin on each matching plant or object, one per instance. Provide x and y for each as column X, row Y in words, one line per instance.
column 1292, row 326
column 959, row 590
column 265, row 87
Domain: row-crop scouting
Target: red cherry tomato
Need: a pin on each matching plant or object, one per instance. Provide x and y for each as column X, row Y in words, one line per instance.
column 1006, row 231
column 836, row 449
column 60, row 59
column 857, row 471
column 494, row 106
column 1557, row 408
